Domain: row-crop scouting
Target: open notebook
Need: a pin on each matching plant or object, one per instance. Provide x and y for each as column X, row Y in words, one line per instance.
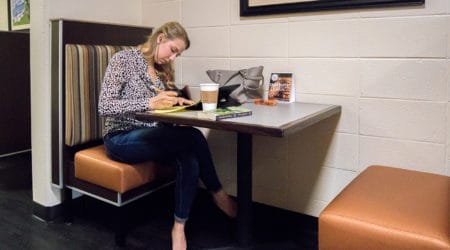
column 195, row 106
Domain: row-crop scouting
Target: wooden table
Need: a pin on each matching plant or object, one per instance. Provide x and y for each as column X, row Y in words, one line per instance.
column 277, row 121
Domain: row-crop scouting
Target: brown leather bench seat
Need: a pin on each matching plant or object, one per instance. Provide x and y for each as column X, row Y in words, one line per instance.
column 93, row 165
column 389, row 208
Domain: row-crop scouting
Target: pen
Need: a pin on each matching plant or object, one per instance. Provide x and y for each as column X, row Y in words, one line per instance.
column 153, row 88
column 157, row 89
column 160, row 90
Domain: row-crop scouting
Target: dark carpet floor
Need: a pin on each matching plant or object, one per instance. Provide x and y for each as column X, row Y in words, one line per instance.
column 151, row 221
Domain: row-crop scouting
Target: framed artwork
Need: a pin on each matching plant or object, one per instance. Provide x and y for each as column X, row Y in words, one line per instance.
column 4, row 18
column 20, row 14
column 269, row 7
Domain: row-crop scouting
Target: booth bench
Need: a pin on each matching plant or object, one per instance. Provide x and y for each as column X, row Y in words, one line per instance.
column 80, row 55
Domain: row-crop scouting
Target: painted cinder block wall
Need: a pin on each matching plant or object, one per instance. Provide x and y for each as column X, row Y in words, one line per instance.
column 109, row 11
column 388, row 68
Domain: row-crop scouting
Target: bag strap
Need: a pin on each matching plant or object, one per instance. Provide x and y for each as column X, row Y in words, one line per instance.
column 253, row 78
column 261, row 82
column 231, row 77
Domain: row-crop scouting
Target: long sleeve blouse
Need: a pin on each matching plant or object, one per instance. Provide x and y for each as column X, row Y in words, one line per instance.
column 126, row 89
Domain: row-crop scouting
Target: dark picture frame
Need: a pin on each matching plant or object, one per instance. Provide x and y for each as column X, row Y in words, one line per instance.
column 284, row 7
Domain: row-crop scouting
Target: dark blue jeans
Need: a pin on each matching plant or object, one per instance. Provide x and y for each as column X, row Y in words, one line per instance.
column 185, row 147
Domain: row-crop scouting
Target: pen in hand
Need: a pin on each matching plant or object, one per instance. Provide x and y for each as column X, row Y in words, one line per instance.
column 156, row 89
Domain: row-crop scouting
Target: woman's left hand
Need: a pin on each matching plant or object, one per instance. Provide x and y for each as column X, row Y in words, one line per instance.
column 182, row 101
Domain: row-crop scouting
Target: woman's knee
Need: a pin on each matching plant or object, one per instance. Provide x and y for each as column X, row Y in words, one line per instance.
column 192, row 130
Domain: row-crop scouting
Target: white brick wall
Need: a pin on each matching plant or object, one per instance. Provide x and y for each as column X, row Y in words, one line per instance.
column 404, row 37
column 201, row 45
column 388, row 68
column 338, row 77
column 259, row 40
column 410, row 120
column 201, row 13
column 421, row 156
column 414, row 79
column 106, row 11
column 336, row 38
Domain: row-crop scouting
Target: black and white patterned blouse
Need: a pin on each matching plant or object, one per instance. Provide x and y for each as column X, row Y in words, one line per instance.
column 126, row 90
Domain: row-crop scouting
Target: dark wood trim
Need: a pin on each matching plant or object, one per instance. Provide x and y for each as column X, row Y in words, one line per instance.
column 101, row 33
column 246, row 10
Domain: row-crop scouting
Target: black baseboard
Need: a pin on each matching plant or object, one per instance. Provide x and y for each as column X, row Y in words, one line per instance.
column 48, row 214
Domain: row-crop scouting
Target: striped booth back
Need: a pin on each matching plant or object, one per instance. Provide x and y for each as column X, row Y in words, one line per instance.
column 85, row 67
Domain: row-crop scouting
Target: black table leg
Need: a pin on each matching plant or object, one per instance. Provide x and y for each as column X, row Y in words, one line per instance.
column 244, row 189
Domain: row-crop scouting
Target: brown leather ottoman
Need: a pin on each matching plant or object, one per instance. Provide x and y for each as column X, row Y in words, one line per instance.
column 389, row 208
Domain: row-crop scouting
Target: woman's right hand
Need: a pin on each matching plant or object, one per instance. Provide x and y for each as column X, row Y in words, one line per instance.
column 167, row 99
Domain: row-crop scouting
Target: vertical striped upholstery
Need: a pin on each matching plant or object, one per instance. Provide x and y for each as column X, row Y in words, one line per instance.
column 85, row 67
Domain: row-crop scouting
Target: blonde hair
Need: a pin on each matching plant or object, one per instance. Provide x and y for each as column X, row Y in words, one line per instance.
column 171, row 31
